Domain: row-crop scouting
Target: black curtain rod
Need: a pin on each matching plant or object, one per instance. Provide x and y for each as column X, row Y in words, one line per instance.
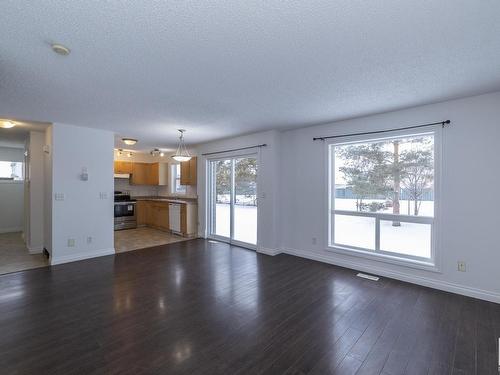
column 234, row 149
column 442, row 123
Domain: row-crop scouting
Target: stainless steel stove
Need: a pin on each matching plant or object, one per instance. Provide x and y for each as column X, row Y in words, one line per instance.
column 125, row 211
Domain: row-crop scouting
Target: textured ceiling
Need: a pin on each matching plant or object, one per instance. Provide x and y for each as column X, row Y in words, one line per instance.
column 221, row 68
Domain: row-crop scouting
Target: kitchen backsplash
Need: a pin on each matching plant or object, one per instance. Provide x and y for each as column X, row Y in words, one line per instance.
column 124, row 185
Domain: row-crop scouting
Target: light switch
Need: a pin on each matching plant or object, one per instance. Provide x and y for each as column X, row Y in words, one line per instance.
column 59, row 196
column 103, row 195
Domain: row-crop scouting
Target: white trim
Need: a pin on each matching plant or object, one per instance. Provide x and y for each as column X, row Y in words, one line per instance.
column 11, row 182
column 419, row 280
column 75, row 257
column 11, row 230
column 35, row 249
column 209, row 206
column 268, row 251
column 431, row 264
column 421, row 264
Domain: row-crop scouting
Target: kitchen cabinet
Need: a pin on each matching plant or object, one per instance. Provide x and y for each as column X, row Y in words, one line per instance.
column 159, row 215
column 149, row 174
column 156, row 214
column 139, row 174
column 142, row 212
column 189, row 171
column 123, row 167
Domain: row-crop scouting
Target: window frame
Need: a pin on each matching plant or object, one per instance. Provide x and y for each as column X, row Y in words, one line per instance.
column 430, row 264
column 176, row 177
column 23, row 172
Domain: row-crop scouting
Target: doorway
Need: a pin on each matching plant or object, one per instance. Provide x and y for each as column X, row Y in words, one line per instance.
column 233, row 200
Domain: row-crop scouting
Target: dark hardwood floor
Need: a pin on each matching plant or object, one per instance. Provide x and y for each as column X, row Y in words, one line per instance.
column 197, row 307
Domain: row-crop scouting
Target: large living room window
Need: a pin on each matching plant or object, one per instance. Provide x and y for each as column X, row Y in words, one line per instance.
column 382, row 196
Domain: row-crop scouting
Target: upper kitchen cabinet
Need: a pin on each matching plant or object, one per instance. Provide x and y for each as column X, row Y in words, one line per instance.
column 123, row 167
column 188, row 172
column 158, row 174
column 149, row 174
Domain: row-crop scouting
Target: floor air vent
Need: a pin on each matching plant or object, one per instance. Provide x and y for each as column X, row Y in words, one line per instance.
column 369, row 277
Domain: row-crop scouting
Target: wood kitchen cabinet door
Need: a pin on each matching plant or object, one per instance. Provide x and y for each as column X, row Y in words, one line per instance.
column 162, row 221
column 123, row 167
column 139, row 173
column 153, row 176
column 189, row 172
column 142, row 208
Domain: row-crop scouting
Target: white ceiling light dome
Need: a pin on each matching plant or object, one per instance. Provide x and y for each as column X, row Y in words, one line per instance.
column 182, row 153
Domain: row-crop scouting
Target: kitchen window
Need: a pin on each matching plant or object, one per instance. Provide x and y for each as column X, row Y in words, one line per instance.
column 177, row 188
column 11, row 171
column 382, row 197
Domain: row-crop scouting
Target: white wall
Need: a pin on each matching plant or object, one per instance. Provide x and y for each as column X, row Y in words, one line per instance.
column 468, row 227
column 47, row 190
column 11, row 195
column 268, row 184
column 82, row 213
column 34, row 180
column 293, row 177
column 12, row 154
column 11, row 206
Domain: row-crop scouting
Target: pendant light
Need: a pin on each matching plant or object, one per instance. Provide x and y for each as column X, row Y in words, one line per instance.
column 182, row 153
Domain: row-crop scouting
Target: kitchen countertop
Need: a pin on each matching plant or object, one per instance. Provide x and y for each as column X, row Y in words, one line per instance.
column 187, row 200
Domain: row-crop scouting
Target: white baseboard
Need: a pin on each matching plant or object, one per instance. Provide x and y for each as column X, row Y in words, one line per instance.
column 419, row 280
column 11, row 230
column 35, row 249
column 80, row 256
column 268, row 251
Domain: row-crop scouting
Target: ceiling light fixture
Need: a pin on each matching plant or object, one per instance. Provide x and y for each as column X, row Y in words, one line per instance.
column 182, row 153
column 7, row 124
column 157, row 152
column 60, row 49
column 129, row 141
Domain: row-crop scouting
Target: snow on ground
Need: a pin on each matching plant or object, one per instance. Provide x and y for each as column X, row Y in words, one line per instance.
column 409, row 238
column 426, row 207
column 245, row 222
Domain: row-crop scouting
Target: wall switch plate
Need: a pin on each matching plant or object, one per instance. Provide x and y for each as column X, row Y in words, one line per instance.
column 103, row 195
column 89, row 240
column 59, row 196
column 71, row 242
column 461, row 266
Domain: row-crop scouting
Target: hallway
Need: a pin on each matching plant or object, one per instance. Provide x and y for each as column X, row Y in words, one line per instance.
column 14, row 255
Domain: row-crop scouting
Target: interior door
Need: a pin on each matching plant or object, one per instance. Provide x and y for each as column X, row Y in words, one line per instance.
column 233, row 200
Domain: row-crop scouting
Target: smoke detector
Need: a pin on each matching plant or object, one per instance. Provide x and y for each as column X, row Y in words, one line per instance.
column 60, row 49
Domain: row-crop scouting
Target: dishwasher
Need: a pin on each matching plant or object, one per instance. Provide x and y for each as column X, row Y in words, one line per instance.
column 174, row 217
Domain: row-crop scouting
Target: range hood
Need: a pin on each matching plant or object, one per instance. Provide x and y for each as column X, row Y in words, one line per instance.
column 122, row 175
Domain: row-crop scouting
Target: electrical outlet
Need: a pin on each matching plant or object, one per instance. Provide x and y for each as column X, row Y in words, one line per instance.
column 71, row 242
column 461, row 266
column 314, row 241
column 89, row 240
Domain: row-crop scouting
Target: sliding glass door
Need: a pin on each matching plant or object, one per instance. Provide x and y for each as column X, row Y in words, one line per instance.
column 233, row 200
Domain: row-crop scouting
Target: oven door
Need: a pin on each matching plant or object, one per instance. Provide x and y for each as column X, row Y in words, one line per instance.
column 123, row 209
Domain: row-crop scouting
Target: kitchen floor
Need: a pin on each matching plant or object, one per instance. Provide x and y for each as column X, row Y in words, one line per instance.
column 140, row 238
column 14, row 255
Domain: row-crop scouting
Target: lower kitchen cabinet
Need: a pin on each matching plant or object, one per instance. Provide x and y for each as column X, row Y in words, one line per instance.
column 155, row 214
